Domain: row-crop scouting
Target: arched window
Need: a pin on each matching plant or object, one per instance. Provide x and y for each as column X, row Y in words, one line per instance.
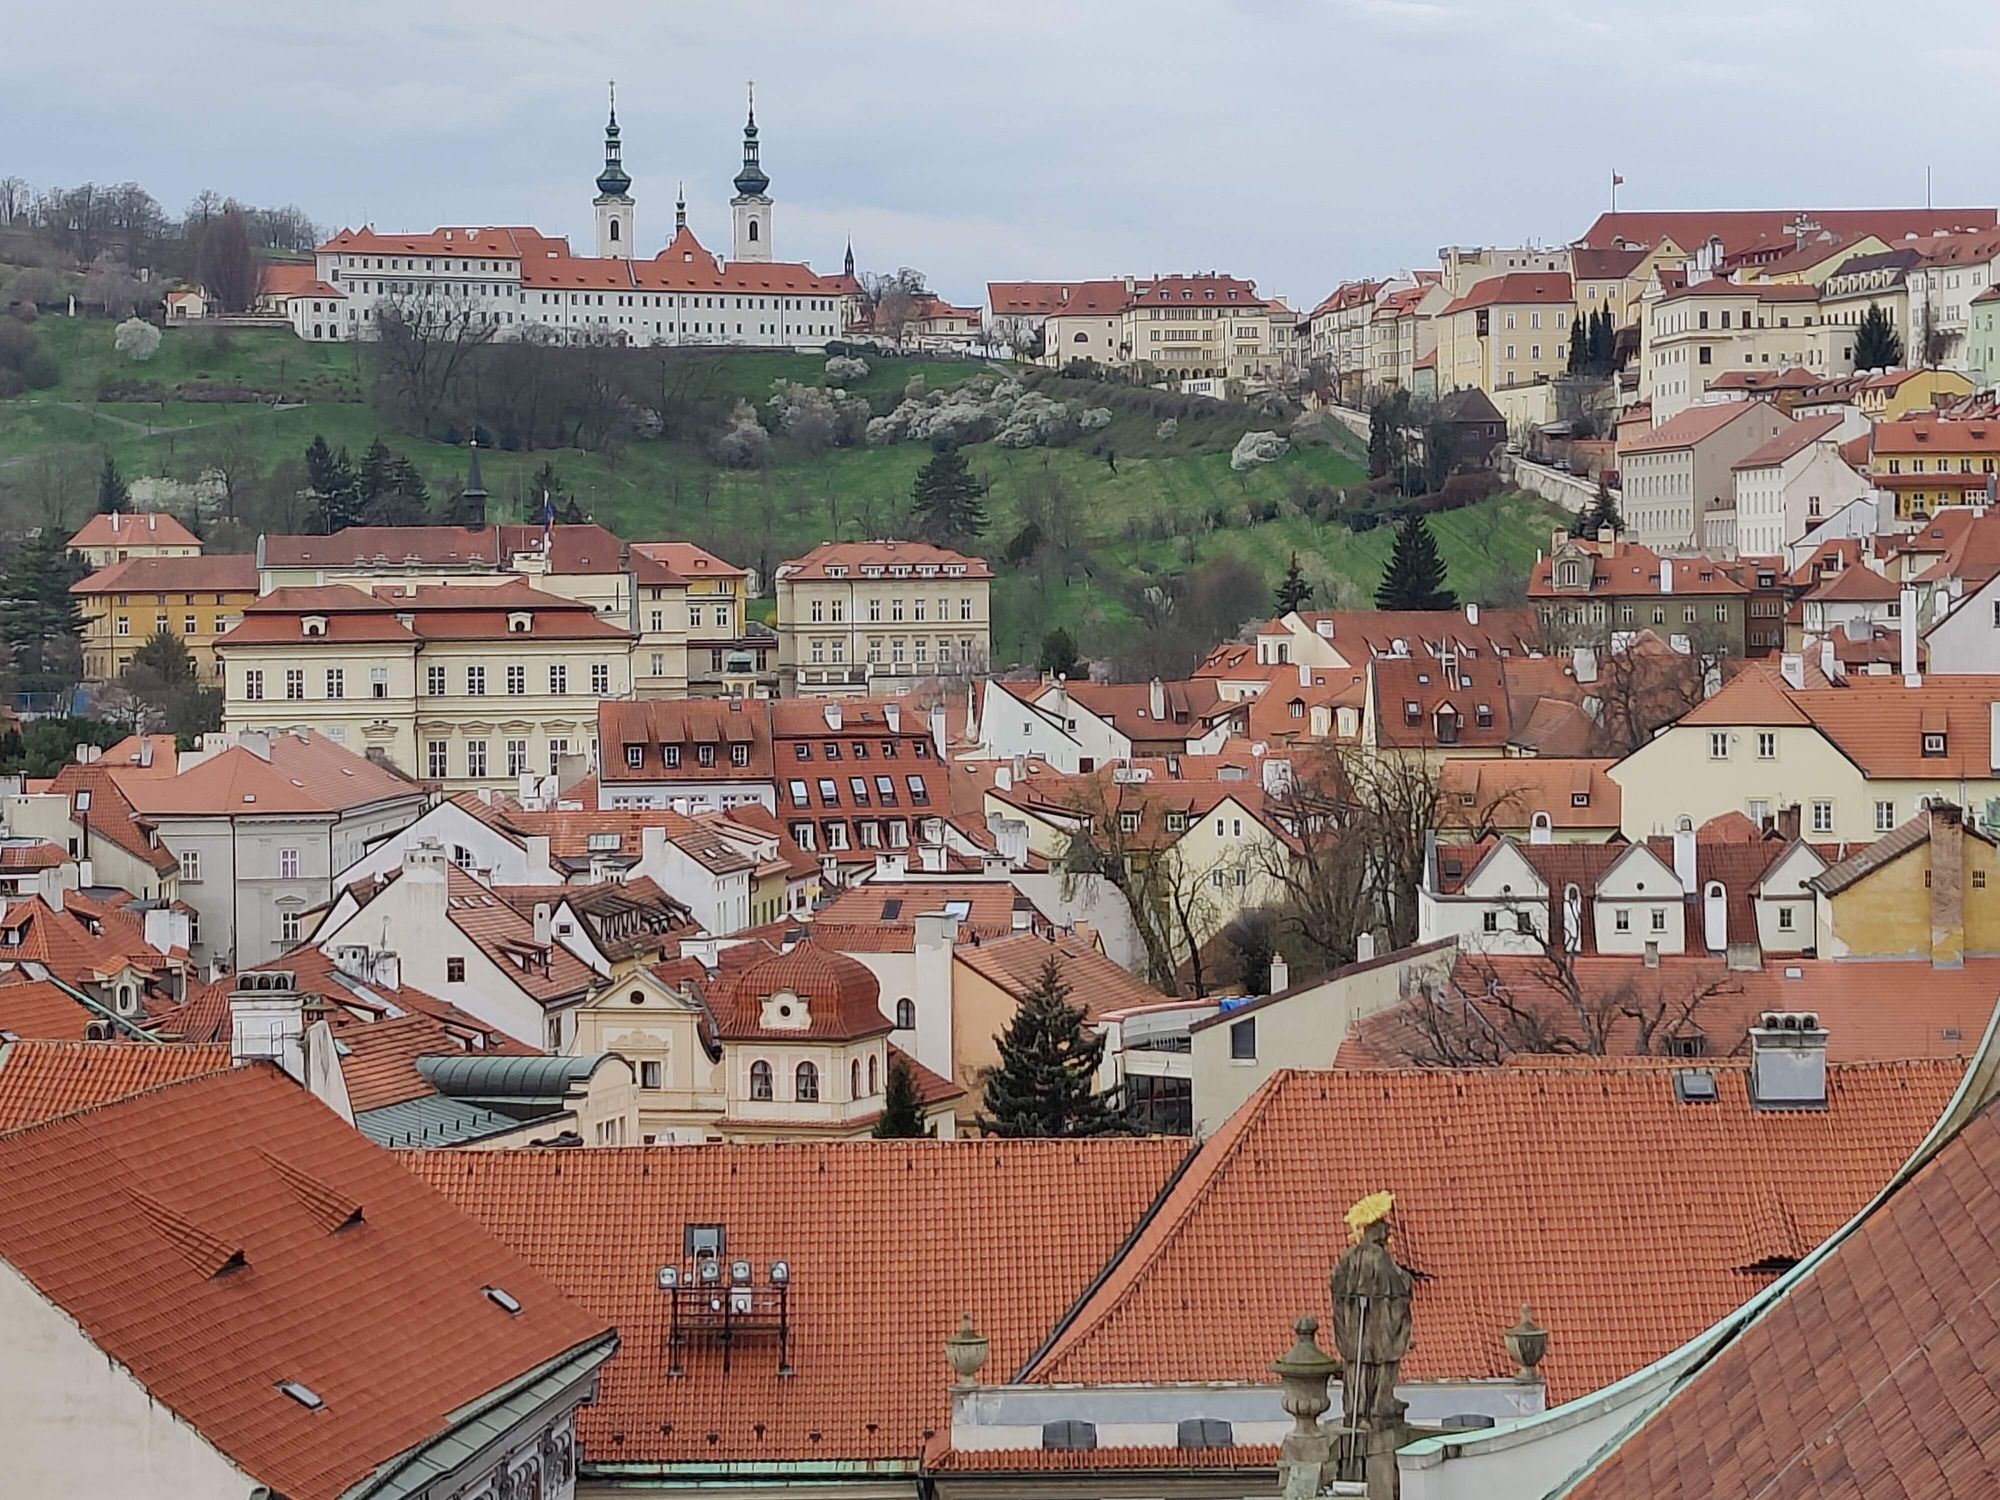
column 760, row 1080
column 614, row 232
column 872, row 1084
column 805, row 1084
column 906, row 1014
column 854, row 1079
column 753, row 231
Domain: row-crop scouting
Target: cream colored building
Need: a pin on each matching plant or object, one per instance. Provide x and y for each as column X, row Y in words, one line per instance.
column 1692, row 334
column 691, row 620
column 1196, row 332
column 461, row 687
column 1506, row 331
column 860, row 618
column 115, row 536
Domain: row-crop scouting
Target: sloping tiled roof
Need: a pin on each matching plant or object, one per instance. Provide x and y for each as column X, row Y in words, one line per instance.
column 1096, row 983
column 41, row 1010
column 1800, row 435
column 355, row 1280
column 878, row 1278
column 1674, row 1215
column 1509, row 792
column 1873, row 1375
column 1686, row 429
column 1515, row 288
column 1744, row 230
column 1875, row 721
column 219, row 572
column 854, row 556
column 109, row 814
column 42, row 1079
column 306, row 773
column 841, row 998
column 153, row 528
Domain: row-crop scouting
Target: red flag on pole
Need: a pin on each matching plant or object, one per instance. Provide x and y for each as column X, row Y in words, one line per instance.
column 1616, row 180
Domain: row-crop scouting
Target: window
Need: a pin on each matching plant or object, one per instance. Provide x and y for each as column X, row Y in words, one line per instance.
column 378, row 682
column 906, row 1015
column 289, row 926
column 1128, row 822
column 437, row 760
column 295, row 683
column 1659, row 920
column 475, row 682
column 739, row 755
column 1822, row 817
column 670, row 757
column 704, row 755
column 857, row 786
column 288, row 864
column 649, row 1075
column 1784, row 919
column 635, row 756
column 1885, row 816
column 918, row 793
column 1933, row 744
column 1718, row 744
column 190, row 866
column 336, row 682
column 475, row 758
column 600, row 678
column 454, row 971
column 1243, row 1040
column 829, row 792
column 805, row 1083
column 517, row 681
column 1767, row 744
column 558, row 678
column 1488, row 921
column 253, row 686
column 1622, row 920
column 517, row 757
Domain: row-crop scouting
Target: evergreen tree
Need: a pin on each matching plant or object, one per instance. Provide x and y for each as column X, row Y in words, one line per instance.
column 1294, row 593
column 113, row 496
column 1058, row 658
column 1579, row 344
column 40, row 619
column 548, row 482
column 1044, row 1083
column 1876, row 345
column 1414, row 578
column 335, row 491
column 902, row 1116
column 948, row 499
column 166, row 656
column 1600, row 513
column 1603, row 340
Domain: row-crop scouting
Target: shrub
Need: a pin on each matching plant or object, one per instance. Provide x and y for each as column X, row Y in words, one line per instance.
column 137, row 340
column 1093, row 418
column 1171, row 427
column 744, row 444
column 39, row 370
column 1255, row 448
column 842, row 368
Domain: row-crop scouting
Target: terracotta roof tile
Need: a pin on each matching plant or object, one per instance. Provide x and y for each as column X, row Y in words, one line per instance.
column 924, row 1231
column 857, row 556
column 40, row 1080
column 133, row 529
column 1015, row 964
column 1625, row 1250
column 1691, row 427
column 118, row 1216
column 215, row 573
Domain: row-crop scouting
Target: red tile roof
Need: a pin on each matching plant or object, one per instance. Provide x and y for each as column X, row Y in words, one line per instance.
column 1625, row 568
column 841, row 998
column 356, row 1280
column 1925, row 433
column 686, row 724
column 876, row 1286
column 579, row 548
column 1801, row 435
column 1875, row 721
column 1626, row 1250
column 1507, row 793
column 41, row 1079
column 1415, row 697
column 1688, row 428
column 486, row 244
column 921, row 558
column 1034, row 299
column 1516, row 288
column 306, row 774
column 1015, row 964
column 1746, row 230
column 1873, row 1374
column 220, row 572
column 109, row 814
column 40, row 1010
column 686, row 561
column 152, row 528
column 457, row 612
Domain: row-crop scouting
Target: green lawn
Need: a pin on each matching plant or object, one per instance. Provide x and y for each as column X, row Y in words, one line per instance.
column 1131, row 483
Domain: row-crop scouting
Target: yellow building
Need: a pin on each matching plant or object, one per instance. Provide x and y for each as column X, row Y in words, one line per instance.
column 1895, row 394
column 862, row 618
column 193, row 597
column 114, row 537
column 692, row 623
column 1196, row 332
column 1506, row 331
column 1913, row 893
column 1928, row 462
column 464, row 686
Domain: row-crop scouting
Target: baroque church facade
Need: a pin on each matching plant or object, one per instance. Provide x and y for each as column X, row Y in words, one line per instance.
column 519, row 282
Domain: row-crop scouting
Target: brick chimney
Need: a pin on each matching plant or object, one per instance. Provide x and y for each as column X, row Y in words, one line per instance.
column 1947, row 887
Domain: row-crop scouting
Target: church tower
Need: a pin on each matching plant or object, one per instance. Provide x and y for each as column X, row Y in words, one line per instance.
column 614, row 194
column 751, row 207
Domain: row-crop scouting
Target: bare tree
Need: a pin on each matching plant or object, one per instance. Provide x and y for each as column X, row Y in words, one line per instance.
column 226, row 262
column 16, row 199
column 427, row 342
column 893, row 301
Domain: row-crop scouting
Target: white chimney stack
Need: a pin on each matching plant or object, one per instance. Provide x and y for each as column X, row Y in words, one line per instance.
column 1156, row 699
column 1908, row 622
column 1788, row 1061
column 1792, row 667
column 1666, row 575
column 1684, row 858
column 1364, row 947
column 267, row 1020
column 1281, row 975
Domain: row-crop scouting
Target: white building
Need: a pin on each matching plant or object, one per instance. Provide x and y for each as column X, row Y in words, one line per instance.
column 1789, row 485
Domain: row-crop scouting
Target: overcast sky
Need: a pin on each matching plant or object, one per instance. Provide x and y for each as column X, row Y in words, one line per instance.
column 1295, row 142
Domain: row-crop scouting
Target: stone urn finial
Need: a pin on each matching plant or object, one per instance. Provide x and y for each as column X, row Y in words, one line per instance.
column 967, row 1350
column 1305, row 1370
column 1527, row 1342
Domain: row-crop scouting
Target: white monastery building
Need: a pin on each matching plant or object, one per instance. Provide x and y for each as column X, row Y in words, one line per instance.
column 512, row 280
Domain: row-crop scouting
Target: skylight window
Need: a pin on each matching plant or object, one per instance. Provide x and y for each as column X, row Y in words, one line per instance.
column 503, row 1300
column 305, row 1395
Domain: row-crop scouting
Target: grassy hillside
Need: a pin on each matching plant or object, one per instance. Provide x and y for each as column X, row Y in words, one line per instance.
column 1149, row 504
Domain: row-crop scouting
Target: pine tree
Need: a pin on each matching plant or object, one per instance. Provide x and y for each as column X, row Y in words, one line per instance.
column 1044, row 1083
column 902, row 1116
column 330, row 479
column 1876, row 345
column 1294, row 593
column 1414, row 578
column 40, row 619
column 1579, row 344
column 948, row 499
column 113, row 495
column 1603, row 340
column 1600, row 513
column 1058, row 656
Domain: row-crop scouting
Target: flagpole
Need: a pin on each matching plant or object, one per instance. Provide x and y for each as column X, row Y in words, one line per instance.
column 1614, row 190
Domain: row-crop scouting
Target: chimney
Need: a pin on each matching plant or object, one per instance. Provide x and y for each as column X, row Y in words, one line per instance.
column 386, row 970
column 1829, row 660
column 652, row 853
column 1306, row 673
column 165, row 929
column 1472, row 614
column 1792, row 667
column 1715, row 917
column 1558, row 541
column 1156, row 700
column 1947, row 886
column 892, row 715
column 1908, row 633
column 1684, row 856
column 1666, row 575
column 832, row 712
column 1024, row 914
column 938, row 728
column 267, row 1020
column 145, row 750
column 540, row 863
column 1788, row 821
column 1788, row 1061
column 545, row 927
column 936, row 929
column 1281, row 975
column 1583, row 663
column 1364, row 947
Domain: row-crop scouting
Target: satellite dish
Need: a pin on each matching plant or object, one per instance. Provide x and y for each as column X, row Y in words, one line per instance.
column 670, row 1277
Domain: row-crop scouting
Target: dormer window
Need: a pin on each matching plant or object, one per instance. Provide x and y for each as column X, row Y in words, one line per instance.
column 1483, row 716
column 1413, row 712
column 520, row 622
column 1570, row 574
column 1933, row 744
column 313, row 625
column 1447, row 726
